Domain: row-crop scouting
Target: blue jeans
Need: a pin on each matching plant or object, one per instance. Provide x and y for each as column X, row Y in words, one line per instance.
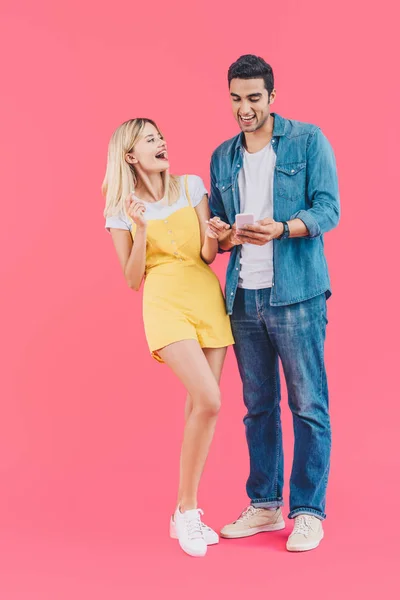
column 296, row 334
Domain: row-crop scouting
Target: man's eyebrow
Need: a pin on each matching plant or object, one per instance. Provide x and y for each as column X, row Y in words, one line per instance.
column 258, row 94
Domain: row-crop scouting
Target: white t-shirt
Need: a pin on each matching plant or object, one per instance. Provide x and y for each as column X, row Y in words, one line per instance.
column 256, row 180
column 158, row 210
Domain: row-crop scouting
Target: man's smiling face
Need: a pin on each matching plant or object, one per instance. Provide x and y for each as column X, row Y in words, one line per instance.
column 250, row 103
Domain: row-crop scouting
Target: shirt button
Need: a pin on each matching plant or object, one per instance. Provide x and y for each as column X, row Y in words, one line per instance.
column 176, row 254
column 231, row 293
column 292, row 171
column 173, row 242
column 272, row 141
column 169, row 231
column 166, row 221
column 223, row 187
column 237, row 268
column 238, row 165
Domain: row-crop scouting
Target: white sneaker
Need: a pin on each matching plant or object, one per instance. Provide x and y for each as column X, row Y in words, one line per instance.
column 189, row 532
column 306, row 535
column 210, row 535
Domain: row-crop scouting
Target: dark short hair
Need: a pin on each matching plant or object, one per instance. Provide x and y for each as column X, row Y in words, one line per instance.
column 250, row 66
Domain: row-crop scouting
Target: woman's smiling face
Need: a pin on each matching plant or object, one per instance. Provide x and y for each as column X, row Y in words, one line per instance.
column 150, row 151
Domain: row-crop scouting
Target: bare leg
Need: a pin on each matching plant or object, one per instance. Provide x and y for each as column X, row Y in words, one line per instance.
column 199, row 372
column 215, row 358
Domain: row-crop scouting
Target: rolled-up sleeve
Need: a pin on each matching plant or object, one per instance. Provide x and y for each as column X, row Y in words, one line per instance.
column 322, row 188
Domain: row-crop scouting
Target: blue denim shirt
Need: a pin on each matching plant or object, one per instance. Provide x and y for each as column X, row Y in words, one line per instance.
column 305, row 187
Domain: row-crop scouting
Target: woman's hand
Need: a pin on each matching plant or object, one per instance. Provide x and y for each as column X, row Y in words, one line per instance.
column 216, row 229
column 135, row 209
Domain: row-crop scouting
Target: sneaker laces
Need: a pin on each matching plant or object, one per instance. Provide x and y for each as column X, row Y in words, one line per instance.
column 249, row 512
column 194, row 525
column 302, row 525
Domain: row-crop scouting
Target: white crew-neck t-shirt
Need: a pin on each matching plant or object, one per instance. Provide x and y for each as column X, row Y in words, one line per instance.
column 256, row 180
column 159, row 210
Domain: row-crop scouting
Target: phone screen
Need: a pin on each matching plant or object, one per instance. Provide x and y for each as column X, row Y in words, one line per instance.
column 244, row 219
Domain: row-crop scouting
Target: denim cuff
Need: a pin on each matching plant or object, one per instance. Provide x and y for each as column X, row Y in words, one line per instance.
column 307, row 511
column 309, row 221
column 267, row 503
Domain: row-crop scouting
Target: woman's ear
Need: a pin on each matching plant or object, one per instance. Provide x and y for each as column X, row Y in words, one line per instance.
column 130, row 158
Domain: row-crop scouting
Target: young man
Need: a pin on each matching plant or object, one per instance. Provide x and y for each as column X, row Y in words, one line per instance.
column 284, row 173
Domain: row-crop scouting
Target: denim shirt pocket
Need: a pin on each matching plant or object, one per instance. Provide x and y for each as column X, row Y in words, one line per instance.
column 291, row 181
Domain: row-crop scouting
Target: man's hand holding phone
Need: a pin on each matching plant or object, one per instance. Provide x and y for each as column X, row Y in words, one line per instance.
column 245, row 231
column 260, row 232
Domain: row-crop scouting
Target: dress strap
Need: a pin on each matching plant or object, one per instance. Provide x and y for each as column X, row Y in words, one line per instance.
column 187, row 190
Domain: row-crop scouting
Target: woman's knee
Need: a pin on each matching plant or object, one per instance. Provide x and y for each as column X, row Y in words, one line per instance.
column 207, row 402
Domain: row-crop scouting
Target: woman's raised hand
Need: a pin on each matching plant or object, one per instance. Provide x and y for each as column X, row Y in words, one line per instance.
column 135, row 209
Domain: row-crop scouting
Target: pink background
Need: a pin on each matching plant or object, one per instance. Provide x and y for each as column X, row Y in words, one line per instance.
column 90, row 425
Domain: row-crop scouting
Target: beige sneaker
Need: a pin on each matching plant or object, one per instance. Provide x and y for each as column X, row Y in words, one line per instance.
column 306, row 535
column 254, row 520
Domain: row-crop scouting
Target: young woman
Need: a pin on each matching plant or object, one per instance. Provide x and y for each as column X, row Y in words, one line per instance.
column 162, row 232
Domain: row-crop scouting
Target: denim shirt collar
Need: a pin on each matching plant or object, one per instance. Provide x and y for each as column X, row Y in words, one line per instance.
column 279, row 130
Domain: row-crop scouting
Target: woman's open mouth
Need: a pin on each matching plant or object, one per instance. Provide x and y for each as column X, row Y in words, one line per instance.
column 162, row 155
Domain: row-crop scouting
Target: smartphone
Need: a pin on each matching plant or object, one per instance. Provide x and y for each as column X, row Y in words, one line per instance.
column 244, row 219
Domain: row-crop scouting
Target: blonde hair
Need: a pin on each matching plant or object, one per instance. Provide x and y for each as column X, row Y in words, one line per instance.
column 120, row 178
